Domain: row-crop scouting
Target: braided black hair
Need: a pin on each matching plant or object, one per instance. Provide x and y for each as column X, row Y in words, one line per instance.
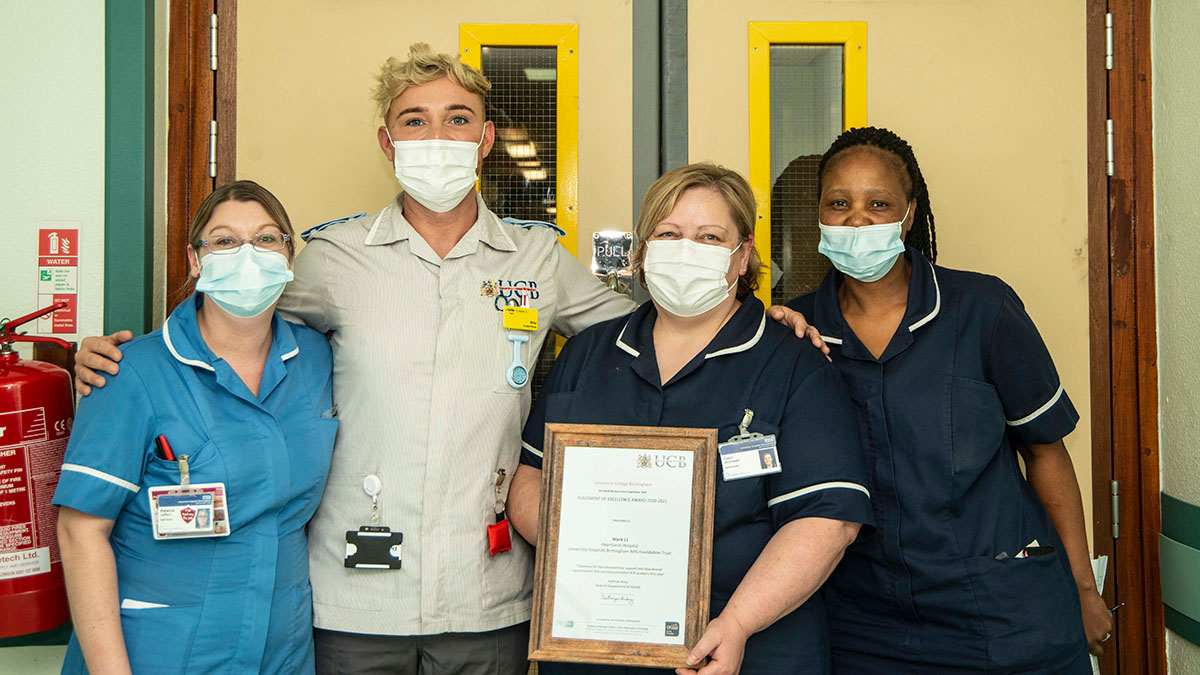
column 921, row 235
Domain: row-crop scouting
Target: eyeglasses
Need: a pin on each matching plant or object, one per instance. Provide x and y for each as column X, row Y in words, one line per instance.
column 263, row 241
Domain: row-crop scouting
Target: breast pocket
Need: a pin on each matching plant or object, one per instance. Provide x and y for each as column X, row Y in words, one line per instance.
column 204, row 466
column 977, row 430
column 530, row 344
column 742, row 501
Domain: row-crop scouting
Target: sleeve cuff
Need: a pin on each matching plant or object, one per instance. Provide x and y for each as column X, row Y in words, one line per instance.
column 531, row 456
column 93, row 491
column 1050, row 422
column 836, row 500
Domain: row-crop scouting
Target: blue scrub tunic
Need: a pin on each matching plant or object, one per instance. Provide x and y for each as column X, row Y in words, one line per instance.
column 936, row 588
column 609, row 374
column 235, row 604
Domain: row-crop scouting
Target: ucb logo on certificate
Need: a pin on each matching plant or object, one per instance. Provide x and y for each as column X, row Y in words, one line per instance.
column 645, row 461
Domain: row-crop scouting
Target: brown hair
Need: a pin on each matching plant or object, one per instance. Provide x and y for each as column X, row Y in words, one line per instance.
column 660, row 199
column 241, row 191
column 424, row 66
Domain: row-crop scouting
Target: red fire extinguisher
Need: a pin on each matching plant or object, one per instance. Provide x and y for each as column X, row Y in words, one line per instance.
column 36, row 411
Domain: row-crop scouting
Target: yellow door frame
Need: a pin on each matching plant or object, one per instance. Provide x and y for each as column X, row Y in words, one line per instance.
column 472, row 37
column 852, row 36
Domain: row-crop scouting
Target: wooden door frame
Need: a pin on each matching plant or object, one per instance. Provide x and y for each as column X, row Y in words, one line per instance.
column 197, row 95
column 1124, row 372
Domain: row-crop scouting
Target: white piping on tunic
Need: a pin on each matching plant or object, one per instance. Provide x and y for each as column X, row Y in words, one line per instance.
column 374, row 225
column 171, row 348
column 624, row 347
column 937, row 305
column 290, row 354
column 1037, row 413
column 816, row 488
column 95, row 473
column 531, row 448
column 762, row 324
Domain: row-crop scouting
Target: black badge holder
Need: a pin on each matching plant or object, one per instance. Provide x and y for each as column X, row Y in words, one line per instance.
column 373, row 547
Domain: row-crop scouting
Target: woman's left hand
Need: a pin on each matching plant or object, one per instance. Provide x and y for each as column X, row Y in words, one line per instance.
column 1097, row 620
column 724, row 642
column 796, row 321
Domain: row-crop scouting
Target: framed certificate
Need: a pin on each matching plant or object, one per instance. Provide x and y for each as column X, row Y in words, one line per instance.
column 624, row 555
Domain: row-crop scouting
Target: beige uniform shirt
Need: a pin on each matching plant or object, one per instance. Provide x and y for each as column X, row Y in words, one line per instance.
column 419, row 361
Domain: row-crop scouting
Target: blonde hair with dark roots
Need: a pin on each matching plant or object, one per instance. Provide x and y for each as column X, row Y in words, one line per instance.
column 422, row 67
column 664, row 193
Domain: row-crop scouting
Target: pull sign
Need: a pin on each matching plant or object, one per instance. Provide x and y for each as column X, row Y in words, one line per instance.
column 213, row 42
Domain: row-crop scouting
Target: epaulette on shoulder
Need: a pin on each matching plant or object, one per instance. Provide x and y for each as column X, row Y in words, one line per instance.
column 526, row 224
column 307, row 234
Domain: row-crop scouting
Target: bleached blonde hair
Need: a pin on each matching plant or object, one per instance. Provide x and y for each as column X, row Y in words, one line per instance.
column 424, row 66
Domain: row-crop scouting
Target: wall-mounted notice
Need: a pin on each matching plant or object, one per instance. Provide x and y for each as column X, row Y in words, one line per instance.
column 58, row 278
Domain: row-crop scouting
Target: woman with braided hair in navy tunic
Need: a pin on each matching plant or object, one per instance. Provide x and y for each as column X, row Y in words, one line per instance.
column 973, row 566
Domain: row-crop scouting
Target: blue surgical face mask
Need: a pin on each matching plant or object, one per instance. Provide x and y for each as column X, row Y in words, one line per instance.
column 866, row 253
column 244, row 283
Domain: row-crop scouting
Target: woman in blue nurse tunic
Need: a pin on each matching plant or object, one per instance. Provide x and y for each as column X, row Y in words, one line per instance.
column 973, row 567
column 701, row 354
column 156, row 586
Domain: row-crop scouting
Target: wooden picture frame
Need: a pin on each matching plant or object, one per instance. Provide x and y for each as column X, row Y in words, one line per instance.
column 657, row 442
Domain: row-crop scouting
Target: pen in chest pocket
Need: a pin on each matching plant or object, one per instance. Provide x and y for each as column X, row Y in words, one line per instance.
column 164, row 448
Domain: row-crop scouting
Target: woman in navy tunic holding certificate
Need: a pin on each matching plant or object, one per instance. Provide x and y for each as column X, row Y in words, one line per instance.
column 189, row 479
column 973, row 567
column 702, row 354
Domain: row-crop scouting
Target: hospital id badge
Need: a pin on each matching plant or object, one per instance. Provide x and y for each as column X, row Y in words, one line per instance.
column 749, row 457
column 186, row 512
column 373, row 547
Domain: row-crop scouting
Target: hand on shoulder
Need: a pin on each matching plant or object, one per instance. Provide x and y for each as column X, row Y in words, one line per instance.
column 98, row 353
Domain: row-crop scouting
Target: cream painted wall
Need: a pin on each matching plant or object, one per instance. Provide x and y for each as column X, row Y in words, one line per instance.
column 306, row 128
column 1176, row 60
column 991, row 95
column 51, row 170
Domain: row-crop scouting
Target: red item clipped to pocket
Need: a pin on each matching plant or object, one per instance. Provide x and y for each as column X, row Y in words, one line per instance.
column 499, row 539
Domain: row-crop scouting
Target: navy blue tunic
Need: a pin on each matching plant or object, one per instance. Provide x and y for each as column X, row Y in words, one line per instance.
column 937, row 587
column 608, row 374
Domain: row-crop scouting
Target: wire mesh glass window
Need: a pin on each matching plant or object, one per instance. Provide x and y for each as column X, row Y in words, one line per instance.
column 520, row 177
column 806, row 116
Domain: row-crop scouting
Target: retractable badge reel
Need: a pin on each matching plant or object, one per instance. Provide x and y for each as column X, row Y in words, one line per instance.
column 373, row 546
column 499, row 539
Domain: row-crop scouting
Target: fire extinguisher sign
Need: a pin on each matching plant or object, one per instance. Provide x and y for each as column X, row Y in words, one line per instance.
column 58, row 278
column 27, row 482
